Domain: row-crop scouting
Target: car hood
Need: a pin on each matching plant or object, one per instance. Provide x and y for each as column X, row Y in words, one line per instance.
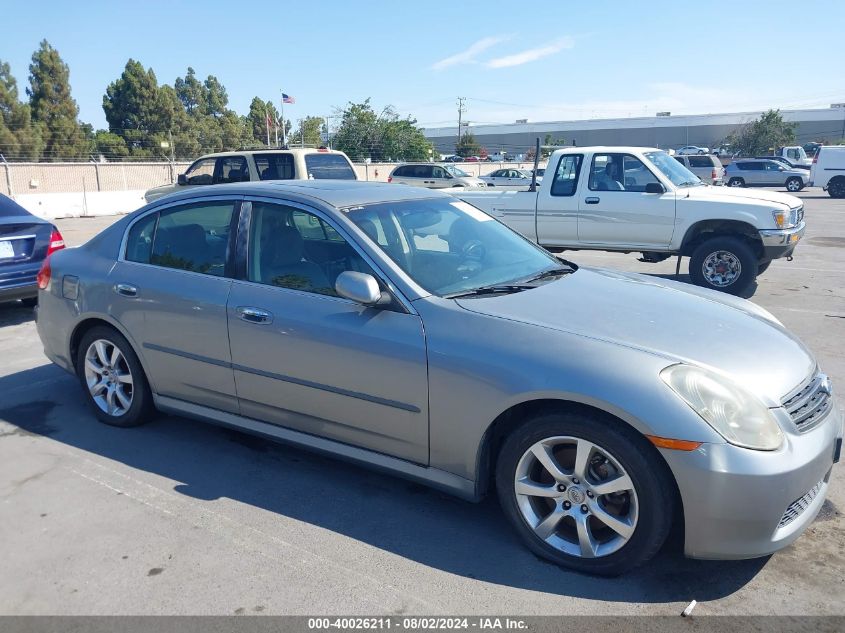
column 740, row 195
column 158, row 192
column 679, row 322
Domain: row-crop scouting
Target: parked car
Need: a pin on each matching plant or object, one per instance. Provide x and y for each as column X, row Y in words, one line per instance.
column 269, row 164
column 635, row 199
column 454, row 159
column 794, row 153
column 754, row 172
column 724, row 149
column 433, row 176
column 707, row 167
column 472, row 159
column 496, row 157
column 25, row 242
column 811, row 149
column 785, row 162
column 405, row 330
column 508, row 178
column 541, row 171
column 828, row 170
column 692, row 149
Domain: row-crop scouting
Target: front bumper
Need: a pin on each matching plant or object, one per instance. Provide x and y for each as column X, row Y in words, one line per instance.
column 781, row 242
column 740, row 503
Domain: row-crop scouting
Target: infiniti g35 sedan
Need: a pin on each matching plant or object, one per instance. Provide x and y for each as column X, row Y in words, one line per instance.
column 403, row 329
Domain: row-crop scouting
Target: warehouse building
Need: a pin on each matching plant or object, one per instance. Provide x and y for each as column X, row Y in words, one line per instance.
column 664, row 131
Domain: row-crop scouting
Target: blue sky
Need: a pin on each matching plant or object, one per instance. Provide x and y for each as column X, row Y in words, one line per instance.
column 535, row 60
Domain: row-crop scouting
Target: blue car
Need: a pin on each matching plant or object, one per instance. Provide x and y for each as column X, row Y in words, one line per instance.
column 25, row 243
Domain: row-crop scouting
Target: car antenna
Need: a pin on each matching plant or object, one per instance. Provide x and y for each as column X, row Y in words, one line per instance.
column 533, row 186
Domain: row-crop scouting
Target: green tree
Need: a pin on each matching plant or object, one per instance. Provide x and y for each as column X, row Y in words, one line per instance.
column 110, row 145
column 54, row 111
column 256, row 122
column 191, row 93
column 759, row 137
column 467, row 145
column 19, row 138
column 364, row 134
column 309, row 132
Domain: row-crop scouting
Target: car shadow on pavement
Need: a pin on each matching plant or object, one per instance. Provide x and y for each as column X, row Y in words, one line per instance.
column 15, row 313
column 403, row 518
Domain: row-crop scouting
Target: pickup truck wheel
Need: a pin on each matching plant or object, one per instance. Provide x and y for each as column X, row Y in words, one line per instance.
column 723, row 263
column 583, row 491
column 836, row 188
column 763, row 266
column 794, row 184
column 736, row 182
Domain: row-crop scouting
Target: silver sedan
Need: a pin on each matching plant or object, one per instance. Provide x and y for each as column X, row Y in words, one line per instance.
column 405, row 330
column 509, row 178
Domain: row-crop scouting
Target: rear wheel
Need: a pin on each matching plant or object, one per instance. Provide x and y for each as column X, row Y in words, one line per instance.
column 584, row 492
column 113, row 379
column 794, row 184
column 836, row 188
column 723, row 263
column 736, row 182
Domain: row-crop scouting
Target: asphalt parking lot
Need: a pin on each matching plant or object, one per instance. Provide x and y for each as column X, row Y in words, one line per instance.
column 180, row 517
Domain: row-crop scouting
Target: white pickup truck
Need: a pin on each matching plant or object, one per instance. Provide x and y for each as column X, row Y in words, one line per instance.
column 635, row 199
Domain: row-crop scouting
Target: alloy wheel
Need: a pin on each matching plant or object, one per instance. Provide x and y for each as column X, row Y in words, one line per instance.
column 793, row 185
column 576, row 496
column 108, row 378
column 721, row 268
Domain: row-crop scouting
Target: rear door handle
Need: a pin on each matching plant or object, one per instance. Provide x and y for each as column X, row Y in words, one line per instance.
column 126, row 290
column 592, row 200
column 254, row 315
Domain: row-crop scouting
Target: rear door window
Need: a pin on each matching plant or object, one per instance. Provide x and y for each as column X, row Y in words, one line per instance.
column 334, row 166
column 701, row 161
column 232, row 169
column 275, row 166
column 194, row 237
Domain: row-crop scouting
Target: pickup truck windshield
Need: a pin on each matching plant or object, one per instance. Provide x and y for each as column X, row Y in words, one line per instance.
column 673, row 170
column 457, row 173
column 449, row 247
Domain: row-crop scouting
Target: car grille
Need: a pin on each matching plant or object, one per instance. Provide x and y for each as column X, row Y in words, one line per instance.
column 810, row 404
column 797, row 507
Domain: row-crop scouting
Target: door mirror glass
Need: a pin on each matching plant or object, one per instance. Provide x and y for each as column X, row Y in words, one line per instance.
column 181, row 179
column 358, row 287
column 654, row 187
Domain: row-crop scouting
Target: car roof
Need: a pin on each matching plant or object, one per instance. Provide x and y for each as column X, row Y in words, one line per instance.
column 631, row 149
column 271, row 150
column 335, row 193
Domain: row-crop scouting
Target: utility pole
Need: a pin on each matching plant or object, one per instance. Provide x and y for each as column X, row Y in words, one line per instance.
column 461, row 110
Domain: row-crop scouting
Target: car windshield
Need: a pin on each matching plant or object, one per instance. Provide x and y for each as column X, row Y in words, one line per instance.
column 450, row 247
column 673, row 170
column 457, row 173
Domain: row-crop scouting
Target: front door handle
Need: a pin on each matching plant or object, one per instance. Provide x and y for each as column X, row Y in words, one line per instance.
column 592, row 200
column 254, row 315
column 126, row 290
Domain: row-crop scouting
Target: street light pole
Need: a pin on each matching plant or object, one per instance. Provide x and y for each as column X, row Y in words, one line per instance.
column 461, row 110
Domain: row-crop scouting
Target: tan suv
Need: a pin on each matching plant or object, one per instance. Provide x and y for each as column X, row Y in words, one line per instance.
column 263, row 164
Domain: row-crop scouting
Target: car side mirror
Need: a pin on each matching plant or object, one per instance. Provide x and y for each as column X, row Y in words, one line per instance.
column 654, row 187
column 181, row 179
column 360, row 288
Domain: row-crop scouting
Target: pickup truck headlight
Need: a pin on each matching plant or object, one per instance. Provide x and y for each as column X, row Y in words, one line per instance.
column 735, row 414
column 785, row 219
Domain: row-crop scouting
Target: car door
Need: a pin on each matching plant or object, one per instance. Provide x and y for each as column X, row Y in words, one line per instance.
column 169, row 290
column 557, row 206
column 774, row 174
column 307, row 359
column 615, row 208
column 439, row 177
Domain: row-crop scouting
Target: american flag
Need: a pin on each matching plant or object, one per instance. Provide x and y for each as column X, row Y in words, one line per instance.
column 287, row 98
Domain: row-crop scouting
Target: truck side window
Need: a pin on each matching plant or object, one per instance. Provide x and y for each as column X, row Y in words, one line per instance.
column 566, row 175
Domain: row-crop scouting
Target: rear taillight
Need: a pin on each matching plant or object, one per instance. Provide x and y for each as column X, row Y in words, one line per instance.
column 43, row 276
column 390, row 179
column 713, row 174
column 57, row 242
column 816, row 157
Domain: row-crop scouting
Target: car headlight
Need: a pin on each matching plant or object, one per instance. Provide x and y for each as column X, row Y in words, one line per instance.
column 735, row 414
column 785, row 219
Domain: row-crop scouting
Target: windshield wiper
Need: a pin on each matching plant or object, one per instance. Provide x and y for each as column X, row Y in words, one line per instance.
column 490, row 290
column 551, row 272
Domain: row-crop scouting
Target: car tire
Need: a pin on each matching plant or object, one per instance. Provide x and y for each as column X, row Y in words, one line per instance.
column 763, row 266
column 644, row 510
column 836, row 188
column 701, row 152
column 115, row 385
column 723, row 263
column 30, row 302
column 794, row 184
column 736, row 182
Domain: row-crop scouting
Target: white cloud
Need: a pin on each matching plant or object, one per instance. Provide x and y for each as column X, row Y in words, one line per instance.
column 468, row 56
column 532, row 54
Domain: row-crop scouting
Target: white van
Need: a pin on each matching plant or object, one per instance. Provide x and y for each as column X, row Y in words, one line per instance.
column 828, row 170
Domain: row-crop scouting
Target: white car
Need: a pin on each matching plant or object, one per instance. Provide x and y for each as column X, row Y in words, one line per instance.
column 828, row 170
column 433, row 176
column 509, row 178
column 692, row 149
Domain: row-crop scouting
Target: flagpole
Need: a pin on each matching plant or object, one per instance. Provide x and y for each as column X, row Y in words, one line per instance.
column 284, row 127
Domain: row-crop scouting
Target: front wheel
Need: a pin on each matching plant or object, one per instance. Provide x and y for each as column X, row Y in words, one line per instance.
column 723, row 263
column 736, row 182
column 584, row 492
column 794, row 185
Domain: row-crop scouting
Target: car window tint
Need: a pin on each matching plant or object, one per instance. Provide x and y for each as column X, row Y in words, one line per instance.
column 139, row 241
column 201, row 173
column 566, row 175
column 194, row 237
column 295, row 249
column 679, row 159
column 700, row 161
column 773, row 166
column 274, row 166
column 232, row 169
column 334, row 166
column 439, row 172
